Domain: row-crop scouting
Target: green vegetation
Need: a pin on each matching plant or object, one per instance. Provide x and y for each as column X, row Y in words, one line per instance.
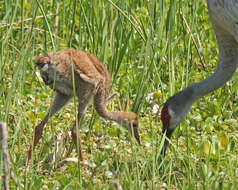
column 148, row 48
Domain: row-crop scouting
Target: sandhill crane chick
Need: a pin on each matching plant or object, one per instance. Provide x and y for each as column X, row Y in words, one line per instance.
column 91, row 79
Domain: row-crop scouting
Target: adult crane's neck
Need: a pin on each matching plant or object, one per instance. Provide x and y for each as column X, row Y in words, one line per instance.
column 228, row 62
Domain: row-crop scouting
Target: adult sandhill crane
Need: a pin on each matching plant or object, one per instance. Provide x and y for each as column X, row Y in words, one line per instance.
column 224, row 17
column 91, row 79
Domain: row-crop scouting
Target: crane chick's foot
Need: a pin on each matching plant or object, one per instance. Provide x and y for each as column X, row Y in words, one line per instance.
column 77, row 143
column 29, row 156
column 37, row 137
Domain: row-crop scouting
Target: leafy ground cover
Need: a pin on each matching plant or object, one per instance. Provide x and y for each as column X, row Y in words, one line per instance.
column 152, row 49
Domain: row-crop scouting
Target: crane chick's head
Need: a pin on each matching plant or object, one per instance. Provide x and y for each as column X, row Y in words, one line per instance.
column 130, row 121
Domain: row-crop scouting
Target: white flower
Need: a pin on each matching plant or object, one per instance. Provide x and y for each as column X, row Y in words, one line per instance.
column 149, row 97
column 155, row 108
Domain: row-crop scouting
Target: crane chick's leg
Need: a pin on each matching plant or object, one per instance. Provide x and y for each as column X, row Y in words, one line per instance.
column 84, row 97
column 59, row 101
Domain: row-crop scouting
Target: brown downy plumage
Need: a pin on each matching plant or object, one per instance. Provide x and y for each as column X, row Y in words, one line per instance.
column 91, row 79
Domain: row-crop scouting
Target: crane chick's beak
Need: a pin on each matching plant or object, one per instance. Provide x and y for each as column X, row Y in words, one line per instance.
column 135, row 131
column 131, row 124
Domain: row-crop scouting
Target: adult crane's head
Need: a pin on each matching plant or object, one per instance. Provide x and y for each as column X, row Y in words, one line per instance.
column 174, row 111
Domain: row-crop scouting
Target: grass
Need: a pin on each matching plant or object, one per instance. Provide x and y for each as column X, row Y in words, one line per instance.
column 148, row 49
